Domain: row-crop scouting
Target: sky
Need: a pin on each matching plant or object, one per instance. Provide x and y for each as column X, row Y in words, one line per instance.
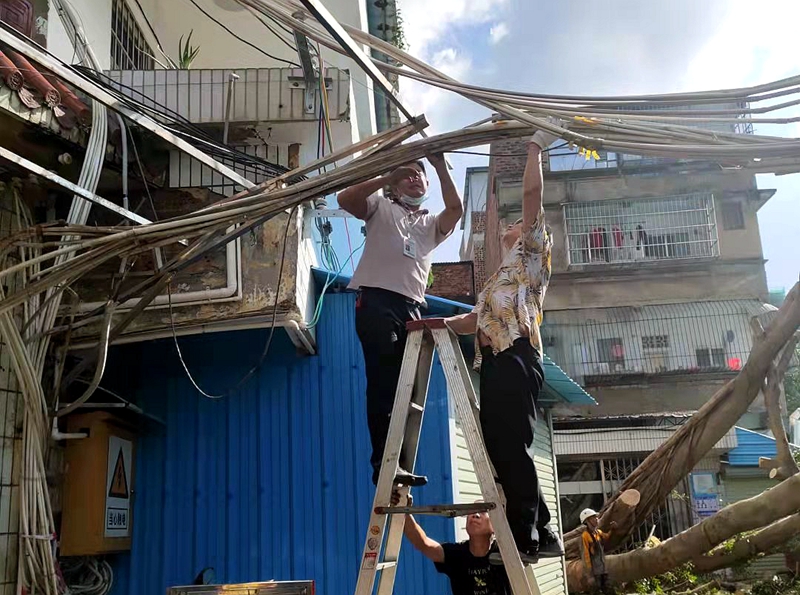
column 611, row 47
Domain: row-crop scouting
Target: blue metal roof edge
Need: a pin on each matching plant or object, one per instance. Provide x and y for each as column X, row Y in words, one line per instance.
column 557, row 382
column 751, row 446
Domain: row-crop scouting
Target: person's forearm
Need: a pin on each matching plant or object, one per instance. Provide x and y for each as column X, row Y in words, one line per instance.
column 453, row 207
column 354, row 199
column 532, row 186
column 414, row 533
column 463, row 324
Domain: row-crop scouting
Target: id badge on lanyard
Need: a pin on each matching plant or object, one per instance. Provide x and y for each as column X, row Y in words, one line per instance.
column 410, row 248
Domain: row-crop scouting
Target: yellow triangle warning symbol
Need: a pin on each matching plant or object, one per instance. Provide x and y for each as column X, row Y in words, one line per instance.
column 119, row 483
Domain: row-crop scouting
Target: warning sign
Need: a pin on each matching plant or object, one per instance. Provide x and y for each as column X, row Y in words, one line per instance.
column 119, row 479
column 118, row 484
column 370, row 561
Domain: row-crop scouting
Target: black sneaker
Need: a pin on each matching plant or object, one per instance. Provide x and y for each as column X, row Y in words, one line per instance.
column 403, row 478
column 550, row 544
column 528, row 556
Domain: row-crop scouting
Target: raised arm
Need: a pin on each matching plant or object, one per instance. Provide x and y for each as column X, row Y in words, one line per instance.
column 430, row 548
column 354, row 199
column 533, row 179
column 453, row 208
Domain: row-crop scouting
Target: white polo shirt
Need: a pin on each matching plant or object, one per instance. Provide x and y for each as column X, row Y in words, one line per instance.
column 397, row 254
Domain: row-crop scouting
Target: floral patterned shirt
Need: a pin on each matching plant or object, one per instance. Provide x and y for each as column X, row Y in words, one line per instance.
column 510, row 305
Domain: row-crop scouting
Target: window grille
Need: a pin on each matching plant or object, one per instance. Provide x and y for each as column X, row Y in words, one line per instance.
column 129, row 49
column 619, row 231
column 607, row 345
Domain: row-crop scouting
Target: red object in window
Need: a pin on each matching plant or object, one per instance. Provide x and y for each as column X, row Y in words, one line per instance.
column 17, row 14
column 734, row 363
column 617, row 351
column 619, row 237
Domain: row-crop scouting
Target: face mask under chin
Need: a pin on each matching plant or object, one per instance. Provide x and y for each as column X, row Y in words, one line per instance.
column 412, row 201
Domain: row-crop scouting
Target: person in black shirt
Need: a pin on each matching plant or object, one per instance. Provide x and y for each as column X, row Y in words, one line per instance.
column 466, row 564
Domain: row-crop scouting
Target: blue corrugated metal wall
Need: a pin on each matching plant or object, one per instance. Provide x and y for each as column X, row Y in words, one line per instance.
column 273, row 481
column 751, row 446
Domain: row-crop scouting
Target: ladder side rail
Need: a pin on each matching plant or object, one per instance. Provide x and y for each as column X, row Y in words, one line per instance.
column 455, row 373
column 391, row 454
column 414, row 418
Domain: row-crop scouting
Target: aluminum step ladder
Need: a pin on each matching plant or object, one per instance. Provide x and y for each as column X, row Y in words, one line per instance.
column 424, row 337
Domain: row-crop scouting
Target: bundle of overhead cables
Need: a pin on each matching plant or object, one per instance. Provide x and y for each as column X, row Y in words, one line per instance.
column 44, row 261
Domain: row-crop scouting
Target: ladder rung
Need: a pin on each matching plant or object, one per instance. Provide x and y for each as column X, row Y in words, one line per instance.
column 416, row 407
column 446, row 510
column 385, row 565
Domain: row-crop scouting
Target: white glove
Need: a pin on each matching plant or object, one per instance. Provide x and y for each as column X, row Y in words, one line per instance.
column 543, row 138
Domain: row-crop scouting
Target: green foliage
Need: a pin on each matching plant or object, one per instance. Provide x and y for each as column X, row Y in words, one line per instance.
column 681, row 578
column 399, row 37
column 781, row 584
column 187, row 54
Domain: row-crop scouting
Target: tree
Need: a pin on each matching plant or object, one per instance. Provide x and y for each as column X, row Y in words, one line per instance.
column 665, row 467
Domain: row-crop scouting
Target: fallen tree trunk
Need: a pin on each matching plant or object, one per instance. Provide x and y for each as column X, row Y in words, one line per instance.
column 746, row 515
column 763, row 542
column 665, row 467
column 783, row 465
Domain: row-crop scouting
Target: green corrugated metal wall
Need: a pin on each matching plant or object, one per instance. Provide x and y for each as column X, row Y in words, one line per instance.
column 550, row 573
column 742, row 488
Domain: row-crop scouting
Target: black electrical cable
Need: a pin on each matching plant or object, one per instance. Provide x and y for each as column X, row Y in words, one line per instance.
column 267, row 345
column 482, row 154
column 276, row 34
column 153, row 31
column 180, row 126
column 244, row 41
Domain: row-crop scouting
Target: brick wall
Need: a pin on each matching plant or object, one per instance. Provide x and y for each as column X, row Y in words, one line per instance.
column 478, row 251
column 508, row 158
column 453, row 281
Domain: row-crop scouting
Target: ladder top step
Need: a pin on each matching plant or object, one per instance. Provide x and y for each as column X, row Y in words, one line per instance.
column 446, row 510
column 430, row 323
column 385, row 565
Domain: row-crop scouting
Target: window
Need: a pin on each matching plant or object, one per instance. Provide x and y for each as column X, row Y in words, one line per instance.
column 655, row 342
column 732, row 215
column 129, row 49
column 710, row 358
column 618, row 231
column 611, row 352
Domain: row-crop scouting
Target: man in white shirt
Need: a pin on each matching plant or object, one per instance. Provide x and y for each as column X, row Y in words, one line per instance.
column 391, row 278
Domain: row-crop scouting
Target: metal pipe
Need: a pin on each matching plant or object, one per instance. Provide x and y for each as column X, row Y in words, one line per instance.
column 232, row 78
column 74, row 188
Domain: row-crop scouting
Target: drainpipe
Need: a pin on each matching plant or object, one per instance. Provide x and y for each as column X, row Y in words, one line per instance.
column 382, row 22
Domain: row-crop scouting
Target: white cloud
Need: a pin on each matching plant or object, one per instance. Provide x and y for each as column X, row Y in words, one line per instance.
column 436, row 103
column 498, row 32
column 734, row 55
column 428, row 22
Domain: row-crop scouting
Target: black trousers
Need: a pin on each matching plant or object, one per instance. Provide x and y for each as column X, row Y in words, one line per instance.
column 510, row 385
column 381, row 318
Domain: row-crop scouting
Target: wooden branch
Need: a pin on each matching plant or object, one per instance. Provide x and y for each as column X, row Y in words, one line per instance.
column 760, row 511
column 784, row 465
column 763, row 542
